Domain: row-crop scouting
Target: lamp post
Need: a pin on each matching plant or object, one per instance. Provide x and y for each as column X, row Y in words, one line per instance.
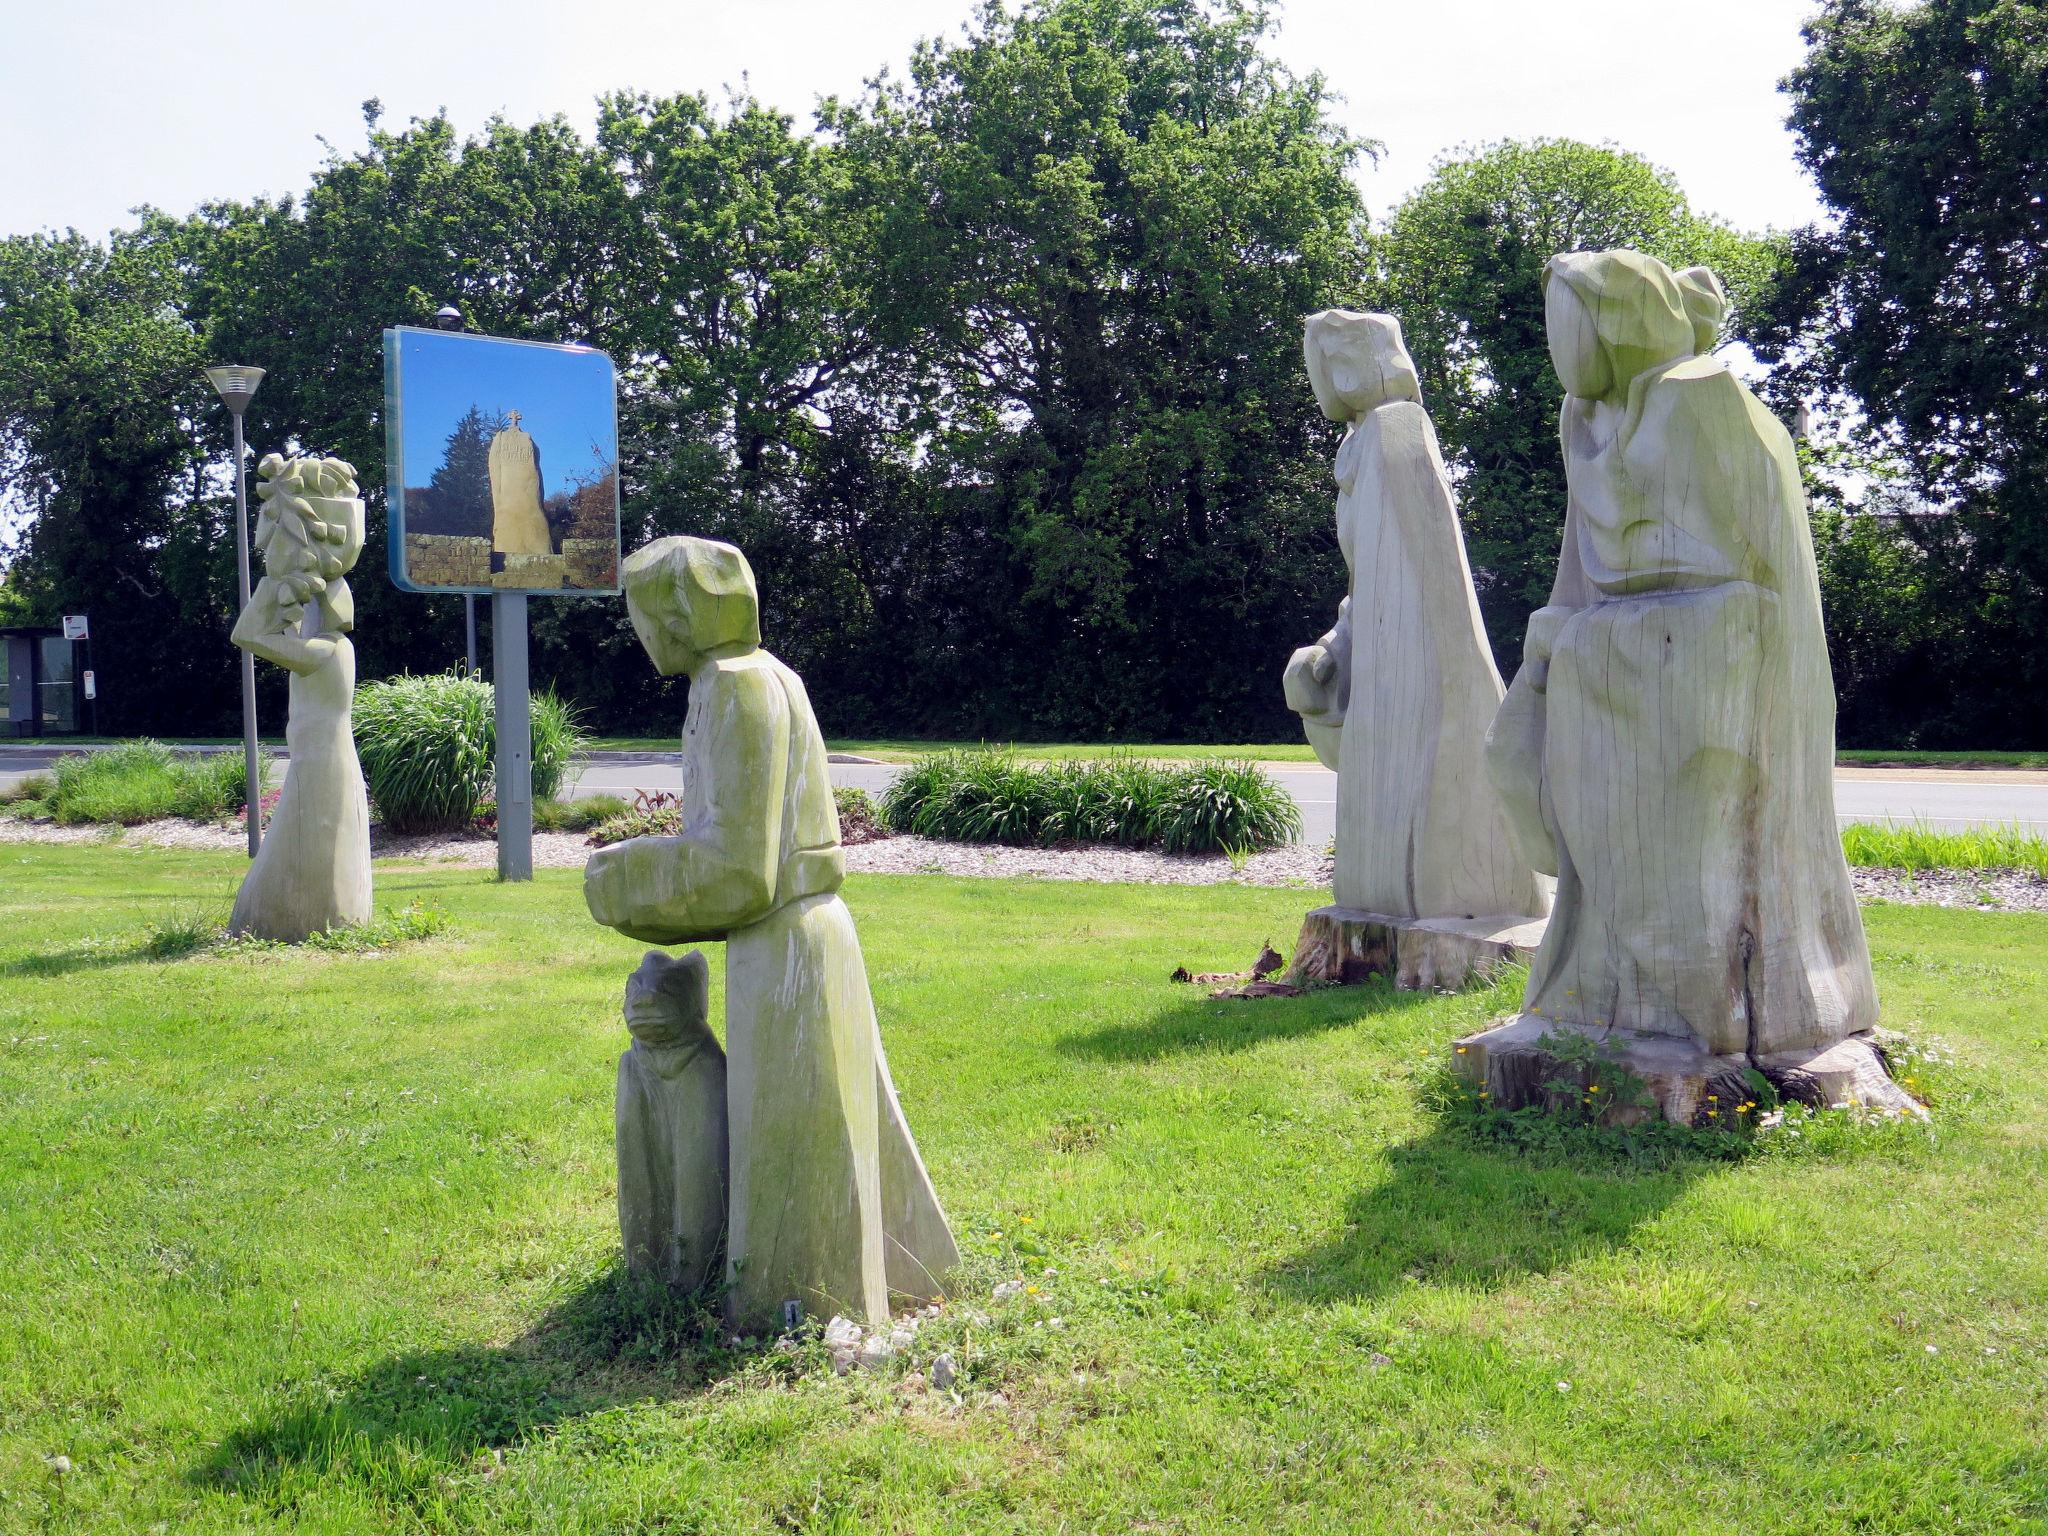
column 237, row 386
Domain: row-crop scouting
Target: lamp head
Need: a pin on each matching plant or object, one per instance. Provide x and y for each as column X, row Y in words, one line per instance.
column 235, row 384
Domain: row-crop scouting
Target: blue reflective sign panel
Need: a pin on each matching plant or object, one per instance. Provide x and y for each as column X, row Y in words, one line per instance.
column 502, row 465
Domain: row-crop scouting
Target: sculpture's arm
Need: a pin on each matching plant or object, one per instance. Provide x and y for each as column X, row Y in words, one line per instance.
column 269, row 627
column 719, row 873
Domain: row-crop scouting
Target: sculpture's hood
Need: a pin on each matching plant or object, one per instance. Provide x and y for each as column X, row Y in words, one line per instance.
column 1357, row 362
column 691, row 597
column 1643, row 313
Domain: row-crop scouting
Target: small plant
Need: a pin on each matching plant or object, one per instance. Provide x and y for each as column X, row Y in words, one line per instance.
column 860, row 820
column 1591, row 1085
column 427, row 745
column 579, row 815
column 653, row 813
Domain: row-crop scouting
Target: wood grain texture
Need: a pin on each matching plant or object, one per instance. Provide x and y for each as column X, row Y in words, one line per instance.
column 1402, row 689
column 830, row 1202
column 1667, row 747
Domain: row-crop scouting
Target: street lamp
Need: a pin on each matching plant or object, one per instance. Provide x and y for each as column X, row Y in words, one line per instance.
column 237, row 386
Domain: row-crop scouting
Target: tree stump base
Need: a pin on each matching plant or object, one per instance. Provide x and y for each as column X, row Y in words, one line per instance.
column 1345, row 946
column 1687, row 1085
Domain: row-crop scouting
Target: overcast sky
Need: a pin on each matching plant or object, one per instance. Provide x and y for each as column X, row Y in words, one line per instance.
column 106, row 104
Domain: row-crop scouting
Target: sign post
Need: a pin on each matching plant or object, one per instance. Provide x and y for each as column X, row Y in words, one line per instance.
column 503, row 466
column 511, row 709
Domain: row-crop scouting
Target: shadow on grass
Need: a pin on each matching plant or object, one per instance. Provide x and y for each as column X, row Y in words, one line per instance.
column 415, row 1417
column 1457, row 1209
column 1199, row 1022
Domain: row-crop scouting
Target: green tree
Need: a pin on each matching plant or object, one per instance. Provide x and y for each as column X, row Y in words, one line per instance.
column 100, row 400
column 1099, row 223
column 1461, row 263
column 1926, row 300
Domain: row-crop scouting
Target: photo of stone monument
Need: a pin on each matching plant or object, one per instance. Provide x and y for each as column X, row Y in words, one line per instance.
column 503, row 465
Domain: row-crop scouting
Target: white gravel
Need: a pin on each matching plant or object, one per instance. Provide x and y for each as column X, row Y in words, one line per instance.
column 1296, row 865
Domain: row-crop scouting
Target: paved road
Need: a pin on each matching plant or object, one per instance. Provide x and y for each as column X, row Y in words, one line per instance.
column 1950, row 801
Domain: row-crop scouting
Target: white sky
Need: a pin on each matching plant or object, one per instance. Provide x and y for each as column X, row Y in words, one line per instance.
column 106, row 104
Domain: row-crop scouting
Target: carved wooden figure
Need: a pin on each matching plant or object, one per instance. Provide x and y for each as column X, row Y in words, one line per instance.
column 830, row 1203
column 1667, row 749
column 313, row 870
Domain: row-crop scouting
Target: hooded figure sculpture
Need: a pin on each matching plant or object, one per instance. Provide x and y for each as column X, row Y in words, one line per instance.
column 830, row 1205
column 1667, row 749
column 1397, row 697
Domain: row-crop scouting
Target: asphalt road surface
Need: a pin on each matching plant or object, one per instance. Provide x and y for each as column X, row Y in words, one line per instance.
column 1950, row 801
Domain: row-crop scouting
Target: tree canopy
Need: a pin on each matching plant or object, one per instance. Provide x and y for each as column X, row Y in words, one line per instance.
column 1924, row 304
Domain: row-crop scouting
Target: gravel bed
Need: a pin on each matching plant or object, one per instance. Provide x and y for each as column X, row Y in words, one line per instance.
column 1292, row 865
column 1987, row 890
column 1296, row 865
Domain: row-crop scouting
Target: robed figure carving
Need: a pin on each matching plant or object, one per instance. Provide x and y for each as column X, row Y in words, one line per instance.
column 1398, row 695
column 1667, row 748
column 830, row 1205
column 312, row 872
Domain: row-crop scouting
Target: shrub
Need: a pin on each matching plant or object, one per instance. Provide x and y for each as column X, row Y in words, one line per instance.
column 575, row 815
column 1228, row 805
column 427, row 744
column 142, row 781
column 989, row 796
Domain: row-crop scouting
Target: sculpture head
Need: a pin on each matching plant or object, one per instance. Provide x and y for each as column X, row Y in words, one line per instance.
column 668, row 999
column 310, row 530
column 1611, row 315
column 1357, row 361
column 691, row 599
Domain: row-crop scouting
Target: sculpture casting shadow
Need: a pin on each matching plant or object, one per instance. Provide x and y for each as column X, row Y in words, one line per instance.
column 1457, row 1210
column 421, row 1413
column 1202, row 1023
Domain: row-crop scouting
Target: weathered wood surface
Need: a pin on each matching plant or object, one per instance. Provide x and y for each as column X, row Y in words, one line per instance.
column 1345, row 946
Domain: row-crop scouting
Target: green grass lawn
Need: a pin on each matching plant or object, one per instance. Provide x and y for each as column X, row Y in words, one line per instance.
column 322, row 1242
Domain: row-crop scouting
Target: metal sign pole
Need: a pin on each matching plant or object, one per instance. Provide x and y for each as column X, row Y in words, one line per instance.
column 469, row 623
column 515, row 735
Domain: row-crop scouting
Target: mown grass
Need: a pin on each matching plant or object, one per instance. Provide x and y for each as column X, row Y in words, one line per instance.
column 314, row 1242
column 1919, row 847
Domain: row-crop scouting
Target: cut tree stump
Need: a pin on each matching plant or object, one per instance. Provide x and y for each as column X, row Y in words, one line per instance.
column 1344, row 946
column 1688, row 1085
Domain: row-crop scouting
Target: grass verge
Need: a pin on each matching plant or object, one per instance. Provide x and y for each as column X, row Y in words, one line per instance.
column 323, row 1243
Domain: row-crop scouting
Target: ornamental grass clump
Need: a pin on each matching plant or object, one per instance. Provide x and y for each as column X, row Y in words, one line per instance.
column 992, row 797
column 427, row 746
column 142, row 781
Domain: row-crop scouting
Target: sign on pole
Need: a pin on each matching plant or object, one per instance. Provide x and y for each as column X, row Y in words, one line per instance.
column 91, row 688
column 502, row 460
column 75, row 627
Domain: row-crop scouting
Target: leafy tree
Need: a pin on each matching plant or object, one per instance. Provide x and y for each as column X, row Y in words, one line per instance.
column 100, row 399
column 1462, row 265
column 1926, row 299
column 1099, row 223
